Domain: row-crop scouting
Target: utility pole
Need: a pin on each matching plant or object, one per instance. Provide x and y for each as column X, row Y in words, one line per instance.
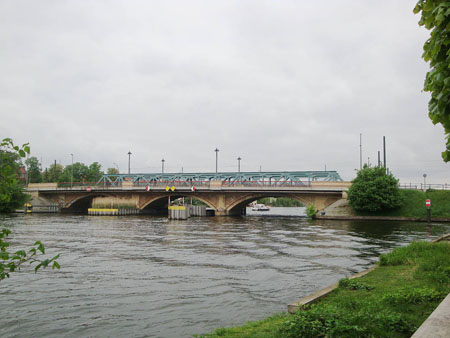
column 129, row 160
column 360, row 151
column 217, row 156
column 162, row 166
column 239, row 165
column 71, row 173
column 379, row 164
column 384, row 152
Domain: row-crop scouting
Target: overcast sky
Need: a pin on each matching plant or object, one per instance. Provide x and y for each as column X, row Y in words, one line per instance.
column 286, row 85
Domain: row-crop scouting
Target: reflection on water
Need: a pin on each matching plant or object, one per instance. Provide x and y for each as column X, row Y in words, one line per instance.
column 148, row 276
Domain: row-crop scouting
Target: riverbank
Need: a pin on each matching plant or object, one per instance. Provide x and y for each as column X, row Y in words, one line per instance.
column 393, row 300
column 412, row 208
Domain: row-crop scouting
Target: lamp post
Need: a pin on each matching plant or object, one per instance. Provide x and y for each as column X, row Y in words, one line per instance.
column 162, row 166
column 217, row 156
column 71, row 173
column 239, row 165
column 129, row 159
column 424, row 182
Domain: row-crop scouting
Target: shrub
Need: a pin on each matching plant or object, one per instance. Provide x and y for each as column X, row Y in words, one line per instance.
column 311, row 211
column 354, row 284
column 373, row 190
column 414, row 296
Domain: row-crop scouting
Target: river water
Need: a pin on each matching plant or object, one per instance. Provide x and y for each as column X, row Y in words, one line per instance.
column 147, row 276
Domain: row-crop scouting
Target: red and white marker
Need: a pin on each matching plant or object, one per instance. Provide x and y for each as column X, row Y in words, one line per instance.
column 88, row 189
column 428, row 203
column 192, row 188
column 147, row 188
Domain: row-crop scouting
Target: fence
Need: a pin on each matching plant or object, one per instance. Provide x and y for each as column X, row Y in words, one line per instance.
column 422, row 186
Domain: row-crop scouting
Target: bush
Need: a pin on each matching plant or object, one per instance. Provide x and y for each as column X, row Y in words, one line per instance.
column 311, row 211
column 354, row 284
column 373, row 190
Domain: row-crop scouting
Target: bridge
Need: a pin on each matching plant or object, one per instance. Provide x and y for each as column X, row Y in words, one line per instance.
column 225, row 193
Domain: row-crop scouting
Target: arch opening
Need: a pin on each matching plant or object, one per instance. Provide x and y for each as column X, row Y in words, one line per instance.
column 81, row 204
column 240, row 207
column 159, row 205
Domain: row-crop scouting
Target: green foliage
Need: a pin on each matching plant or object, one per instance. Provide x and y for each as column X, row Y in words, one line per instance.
column 11, row 192
column 413, row 204
column 280, row 202
column 78, row 172
column 391, row 301
column 311, row 211
column 367, row 320
column 53, row 173
column 373, row 190
column 413, row 296
column 11, row 196
column 436, row 17
column 11, row 261
column 34, row 170
column 354, row 284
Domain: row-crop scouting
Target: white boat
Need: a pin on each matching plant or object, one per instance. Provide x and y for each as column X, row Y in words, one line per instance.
column 260, row 207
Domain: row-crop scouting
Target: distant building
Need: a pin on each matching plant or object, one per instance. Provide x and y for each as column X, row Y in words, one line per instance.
column 23, row 174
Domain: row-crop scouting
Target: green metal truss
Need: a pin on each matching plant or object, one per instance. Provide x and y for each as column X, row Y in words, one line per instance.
column 227, row 178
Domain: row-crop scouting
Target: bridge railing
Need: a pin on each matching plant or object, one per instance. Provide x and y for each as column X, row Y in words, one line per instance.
column 422, row 186
column 83, row 185
column 187, row 184
column 169, row 183
column 266, row 183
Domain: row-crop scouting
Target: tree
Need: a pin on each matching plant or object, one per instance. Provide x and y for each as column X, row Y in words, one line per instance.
column 78, row 171
column 34, row 170
column 112, row 171
column 53, row 173
column 94, row 172
column 373, row 190
column 436, row 17
column 11, row 194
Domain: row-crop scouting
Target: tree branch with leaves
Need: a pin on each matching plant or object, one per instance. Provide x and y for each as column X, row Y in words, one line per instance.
column 436, row 18
column 12, row 195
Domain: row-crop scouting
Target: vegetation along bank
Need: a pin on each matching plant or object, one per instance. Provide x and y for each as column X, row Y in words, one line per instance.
column 391, row 301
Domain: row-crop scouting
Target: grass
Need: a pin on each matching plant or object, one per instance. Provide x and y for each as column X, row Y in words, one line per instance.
column 414, row 204
column 391, row 301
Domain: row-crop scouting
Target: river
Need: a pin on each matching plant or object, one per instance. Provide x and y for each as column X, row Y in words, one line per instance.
column 147, row 276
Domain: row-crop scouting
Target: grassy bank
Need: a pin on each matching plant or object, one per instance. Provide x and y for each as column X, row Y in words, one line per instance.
column 391, row 301
column 414, row 204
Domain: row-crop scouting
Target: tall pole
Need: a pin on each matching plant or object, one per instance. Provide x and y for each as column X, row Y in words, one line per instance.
column 129, row 160
column 54, row 171
column 384, row 152
column 217, row 157
column 424, row 182
column 239, row 165
column 71, row 173
column 379, row 164
column 162, row 166
column 360, row 151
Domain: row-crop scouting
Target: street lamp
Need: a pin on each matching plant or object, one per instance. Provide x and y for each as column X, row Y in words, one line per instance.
column 424, row 182
column 71, row 173
column 129, row 159
column 162, row 166
column 217, row 155
column 239, row 165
